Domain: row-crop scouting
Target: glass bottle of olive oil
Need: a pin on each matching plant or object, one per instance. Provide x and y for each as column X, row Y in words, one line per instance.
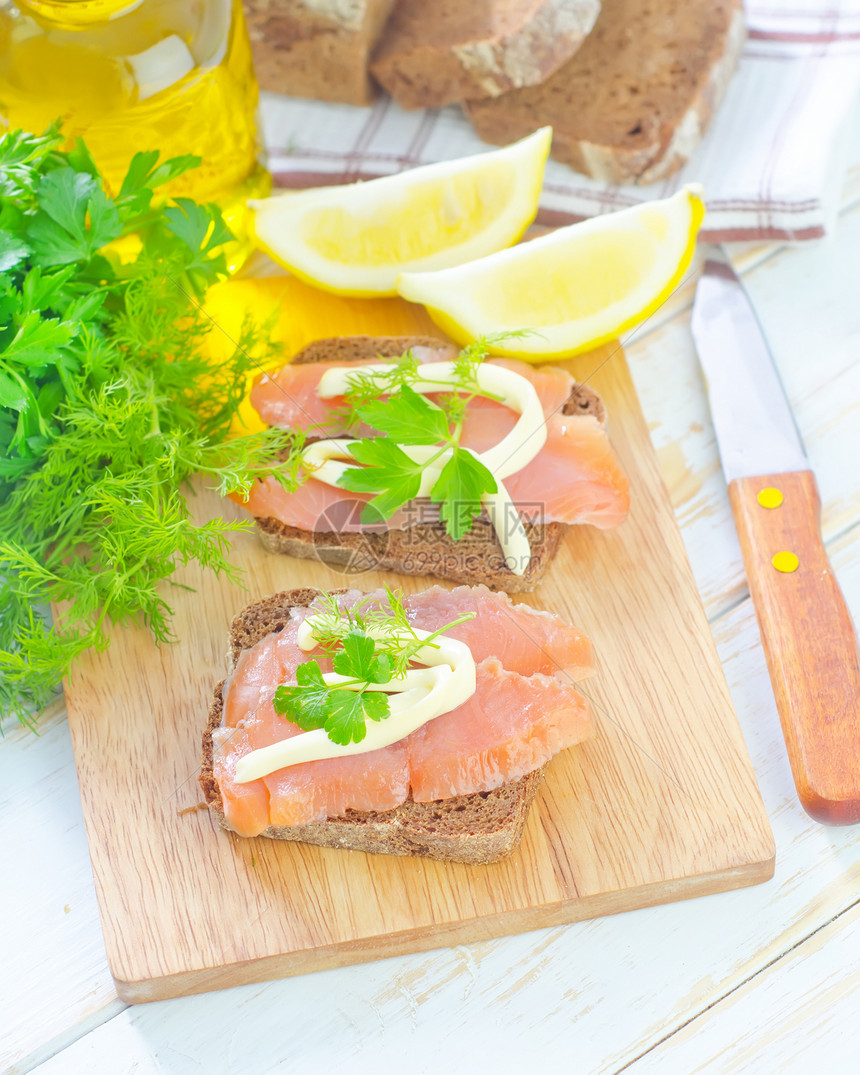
column 171, row 75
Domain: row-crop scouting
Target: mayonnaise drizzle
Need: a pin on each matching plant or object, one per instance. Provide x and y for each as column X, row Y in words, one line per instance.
column 515, row 451
column 446, row 681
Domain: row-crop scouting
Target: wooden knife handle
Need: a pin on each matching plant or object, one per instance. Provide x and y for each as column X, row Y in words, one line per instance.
column 808, row 639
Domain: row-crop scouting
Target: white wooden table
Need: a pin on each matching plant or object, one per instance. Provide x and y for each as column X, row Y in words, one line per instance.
column 761, row 980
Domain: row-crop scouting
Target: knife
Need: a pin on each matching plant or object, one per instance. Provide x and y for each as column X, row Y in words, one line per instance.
column 806, row 629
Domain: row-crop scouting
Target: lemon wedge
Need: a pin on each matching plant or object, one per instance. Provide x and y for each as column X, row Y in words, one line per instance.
column 575, row 288
column 357, row 239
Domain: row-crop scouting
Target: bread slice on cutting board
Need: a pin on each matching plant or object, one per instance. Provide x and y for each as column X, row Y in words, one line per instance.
column 632, row 103
column 425, row 548
column 432, row 54
column 476, row 829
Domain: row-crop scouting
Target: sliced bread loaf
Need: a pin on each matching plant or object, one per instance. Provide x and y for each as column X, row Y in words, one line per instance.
column 316, row 48
column 424, row 548
column 431, row 54
column 475, row 829
column 633, row 102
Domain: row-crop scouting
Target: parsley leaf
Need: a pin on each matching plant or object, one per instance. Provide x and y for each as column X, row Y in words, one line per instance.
column 407, row 417
column 14, row 394
column 377, row 705
column 37, row 340
column 312, row 703
column 388, row 472
column 64, row 195
column 74, row 218
column 105, row 224
column 385, row 401
column 458, row 490
column 200, row 227
column 345, row 717
column 12, row 250
column 306, row 704
column 81, row 159
column 360, row 661
column 145, row 173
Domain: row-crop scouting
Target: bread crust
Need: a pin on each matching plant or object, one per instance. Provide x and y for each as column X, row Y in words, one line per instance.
column 425, row 547
column 430, row 55
column 316, row 48
column 475, row 829
column 632, row 104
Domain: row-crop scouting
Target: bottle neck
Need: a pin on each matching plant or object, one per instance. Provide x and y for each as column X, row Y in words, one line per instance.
column 77, row 14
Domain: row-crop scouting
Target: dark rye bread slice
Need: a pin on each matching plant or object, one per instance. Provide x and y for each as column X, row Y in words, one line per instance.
column 475, row 829
column 424, row 548
column 431, row 54
column 632, row 103
column 316, row 48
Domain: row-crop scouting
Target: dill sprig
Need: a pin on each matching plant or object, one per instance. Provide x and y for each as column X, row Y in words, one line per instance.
column 388, row 620
column 110, row 402
column 367, row 387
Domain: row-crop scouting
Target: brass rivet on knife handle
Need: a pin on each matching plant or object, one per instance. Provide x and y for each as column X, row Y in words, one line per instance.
column 770, row 497
column 785, row 561
column 809, row 643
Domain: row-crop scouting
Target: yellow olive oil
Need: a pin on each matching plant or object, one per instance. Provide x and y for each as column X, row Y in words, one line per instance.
column 128, row 75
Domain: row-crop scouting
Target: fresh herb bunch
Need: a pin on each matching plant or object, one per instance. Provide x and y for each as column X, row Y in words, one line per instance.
column 385, row 401
column 109, row 403
column 370, row 643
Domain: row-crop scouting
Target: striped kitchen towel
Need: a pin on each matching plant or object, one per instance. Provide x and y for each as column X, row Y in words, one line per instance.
column 773, row 162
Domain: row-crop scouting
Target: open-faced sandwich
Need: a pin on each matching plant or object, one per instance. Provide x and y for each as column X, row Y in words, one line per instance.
column 415, row 725
column 413, row 457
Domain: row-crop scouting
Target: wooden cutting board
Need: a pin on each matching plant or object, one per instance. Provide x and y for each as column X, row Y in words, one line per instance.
column 661, row 804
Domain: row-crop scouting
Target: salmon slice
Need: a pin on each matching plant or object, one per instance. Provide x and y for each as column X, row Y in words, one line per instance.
column 515, row 718
column 288, row 398
column 246, row 806
column 314, row 506
column 312, row 791
column 298, row 794
column 575, row 478
column 510, row 726
column 303, row 793
column 315, row 790
column 257, row 669
column 524, row 639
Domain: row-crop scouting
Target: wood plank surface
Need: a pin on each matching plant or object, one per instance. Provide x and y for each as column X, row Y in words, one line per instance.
column 660, row 805
column 798, row 1013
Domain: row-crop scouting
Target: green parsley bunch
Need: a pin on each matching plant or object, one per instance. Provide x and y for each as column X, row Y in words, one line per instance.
column 109, row 403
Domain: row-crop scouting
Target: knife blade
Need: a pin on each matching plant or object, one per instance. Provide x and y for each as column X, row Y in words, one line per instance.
column 806, row 629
